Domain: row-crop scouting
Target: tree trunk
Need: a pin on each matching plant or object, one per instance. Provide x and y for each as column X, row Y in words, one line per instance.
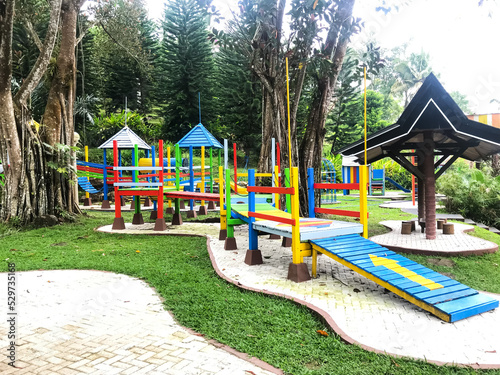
column 58, row 117
column 20, row 147
column 10, row 148
column 29, row 181
column 311, row 148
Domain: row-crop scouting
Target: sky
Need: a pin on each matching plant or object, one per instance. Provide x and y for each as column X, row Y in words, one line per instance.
column 462, row 39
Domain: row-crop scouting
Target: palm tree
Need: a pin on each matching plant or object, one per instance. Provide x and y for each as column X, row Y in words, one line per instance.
column 410, row 74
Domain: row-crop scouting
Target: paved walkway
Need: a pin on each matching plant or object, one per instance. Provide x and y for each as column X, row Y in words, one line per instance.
column 92, row 322
column 459, row 243
column 409, row 208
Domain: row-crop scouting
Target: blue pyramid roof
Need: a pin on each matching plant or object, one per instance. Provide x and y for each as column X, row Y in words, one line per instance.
column 197, row 137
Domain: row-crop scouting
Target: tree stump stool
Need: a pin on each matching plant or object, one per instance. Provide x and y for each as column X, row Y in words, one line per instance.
column 406, row 227
column 448, row 228
column 440, row 223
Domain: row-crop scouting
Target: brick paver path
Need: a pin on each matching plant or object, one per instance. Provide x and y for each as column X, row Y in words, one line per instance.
column 91, row 322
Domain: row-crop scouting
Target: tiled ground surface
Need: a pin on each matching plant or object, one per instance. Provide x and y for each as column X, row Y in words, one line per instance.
column 91, row 322
column 459, row 242
column 94, row 322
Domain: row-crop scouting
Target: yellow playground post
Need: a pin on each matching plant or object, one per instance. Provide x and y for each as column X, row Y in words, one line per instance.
column 296, row 256
column 87, row 201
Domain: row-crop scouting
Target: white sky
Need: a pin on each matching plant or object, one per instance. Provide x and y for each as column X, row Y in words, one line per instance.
column 463, row 40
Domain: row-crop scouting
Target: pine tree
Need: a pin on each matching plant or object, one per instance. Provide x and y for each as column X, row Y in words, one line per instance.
column 126, row 47
column 187, row 68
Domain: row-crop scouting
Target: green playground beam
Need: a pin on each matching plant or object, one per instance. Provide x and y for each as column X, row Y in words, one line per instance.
column 230, row 227
column 287, row 196
column 211, row 172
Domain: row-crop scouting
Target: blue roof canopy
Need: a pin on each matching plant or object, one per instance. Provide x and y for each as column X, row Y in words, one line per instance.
column 197, row 137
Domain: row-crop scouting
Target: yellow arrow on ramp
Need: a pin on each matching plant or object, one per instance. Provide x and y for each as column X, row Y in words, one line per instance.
column 410, row 275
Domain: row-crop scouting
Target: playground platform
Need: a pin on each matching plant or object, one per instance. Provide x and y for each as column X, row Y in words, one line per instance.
column 358, row 309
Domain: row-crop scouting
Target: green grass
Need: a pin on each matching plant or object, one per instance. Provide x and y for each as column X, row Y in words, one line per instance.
column 270, row 328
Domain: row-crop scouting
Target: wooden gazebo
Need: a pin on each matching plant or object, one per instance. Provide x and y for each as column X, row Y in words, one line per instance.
column 432, row 125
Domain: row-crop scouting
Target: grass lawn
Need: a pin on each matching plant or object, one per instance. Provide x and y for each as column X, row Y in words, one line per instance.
column 270, row 328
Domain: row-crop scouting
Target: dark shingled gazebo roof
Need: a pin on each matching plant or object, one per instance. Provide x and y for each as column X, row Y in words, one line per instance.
column 432, row 109
column 431, row 125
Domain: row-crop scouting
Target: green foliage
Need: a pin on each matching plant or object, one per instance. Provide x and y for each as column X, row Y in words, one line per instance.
column 104, row 127
column 186, row 68
column 461, row 101
column 472, row 193
column 239, row 101
column 125, row 47
column 336, row 160
column 62, row 160
column 346, row 123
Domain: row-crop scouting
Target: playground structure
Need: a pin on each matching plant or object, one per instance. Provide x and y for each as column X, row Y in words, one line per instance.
column 328, row 175
column 377, row 177
column 86, row 170
column 126, row 139
column 341, row 241
column 138, row 187
column 200, row 138
column 167, row 183
column 234, row 182
column 2, row 175
column 443, row 297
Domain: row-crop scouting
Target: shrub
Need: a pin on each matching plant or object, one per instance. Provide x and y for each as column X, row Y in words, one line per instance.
column 472, row 193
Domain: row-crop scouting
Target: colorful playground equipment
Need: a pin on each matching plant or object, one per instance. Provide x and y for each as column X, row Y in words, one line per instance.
column 126, row 139
column 446, row 298
column 328, row 175
column 2, row 175
column 137, row 187
column 376, row 181
column 200, row 138
column 350, row 174
column 86, row 170
column 345, row 242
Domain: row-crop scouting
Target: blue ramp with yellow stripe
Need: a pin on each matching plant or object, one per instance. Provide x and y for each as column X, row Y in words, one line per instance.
column 444, row 297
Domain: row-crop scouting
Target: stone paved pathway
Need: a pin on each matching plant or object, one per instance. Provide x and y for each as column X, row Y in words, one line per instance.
column 458, row 243
column 92, row 322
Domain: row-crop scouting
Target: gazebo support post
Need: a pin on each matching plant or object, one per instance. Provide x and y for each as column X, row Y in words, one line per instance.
column 421, row 191
column 430, row 187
